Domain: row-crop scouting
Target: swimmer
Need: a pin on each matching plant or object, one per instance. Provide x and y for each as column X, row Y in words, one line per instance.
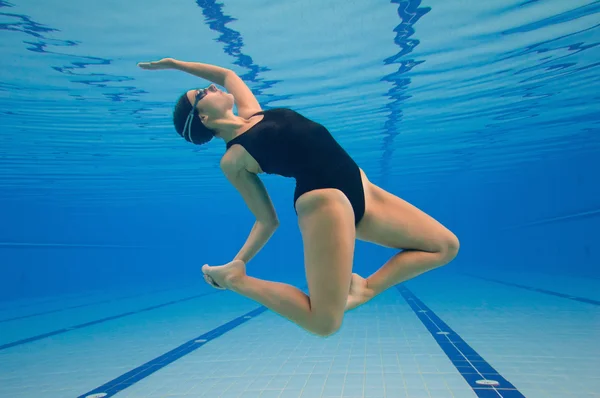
column 334, row 201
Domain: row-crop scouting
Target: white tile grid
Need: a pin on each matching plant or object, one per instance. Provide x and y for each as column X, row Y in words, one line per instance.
column 383, row 350
column 78, row 361
column 403, row 359
column 543, row 345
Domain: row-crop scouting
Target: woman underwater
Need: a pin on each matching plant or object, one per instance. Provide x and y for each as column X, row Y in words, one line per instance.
column 334, row 200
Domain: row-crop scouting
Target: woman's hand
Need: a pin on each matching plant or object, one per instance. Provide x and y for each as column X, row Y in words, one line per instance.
column 165, row 63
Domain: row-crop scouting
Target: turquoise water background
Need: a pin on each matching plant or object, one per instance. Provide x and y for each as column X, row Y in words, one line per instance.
column 483, row 114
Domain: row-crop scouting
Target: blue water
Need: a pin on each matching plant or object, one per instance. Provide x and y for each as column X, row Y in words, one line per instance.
column 484, row 114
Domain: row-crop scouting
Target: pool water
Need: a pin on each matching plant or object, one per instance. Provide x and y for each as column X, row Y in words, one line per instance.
column 482, row 114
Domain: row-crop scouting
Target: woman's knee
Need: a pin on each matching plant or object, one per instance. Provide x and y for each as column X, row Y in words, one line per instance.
column 327, row 324
column 449, row 246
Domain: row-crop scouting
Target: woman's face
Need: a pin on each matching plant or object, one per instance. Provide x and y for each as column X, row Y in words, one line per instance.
column 211, row 103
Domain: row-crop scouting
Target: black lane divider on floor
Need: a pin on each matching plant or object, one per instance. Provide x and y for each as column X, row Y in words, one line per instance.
column 133, row 376
column 536, row 289
column 97, row 321
column 82, row 305
column 485, row 381
column 6, row 304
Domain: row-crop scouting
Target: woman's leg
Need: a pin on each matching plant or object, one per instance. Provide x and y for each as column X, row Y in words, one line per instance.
column 392, row 222
column 326, row 222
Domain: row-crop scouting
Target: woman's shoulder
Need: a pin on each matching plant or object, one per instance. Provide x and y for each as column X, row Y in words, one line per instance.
column 233, row 158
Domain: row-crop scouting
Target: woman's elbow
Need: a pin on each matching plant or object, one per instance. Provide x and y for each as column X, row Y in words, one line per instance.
column 272, row 223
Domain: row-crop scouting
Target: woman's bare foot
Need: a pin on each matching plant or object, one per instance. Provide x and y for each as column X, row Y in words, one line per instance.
column 359, row 292
column 224, row 276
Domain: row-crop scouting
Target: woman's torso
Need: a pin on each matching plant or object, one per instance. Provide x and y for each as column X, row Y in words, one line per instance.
column 288, row 144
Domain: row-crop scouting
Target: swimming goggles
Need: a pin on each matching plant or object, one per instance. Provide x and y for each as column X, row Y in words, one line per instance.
column 200, row 93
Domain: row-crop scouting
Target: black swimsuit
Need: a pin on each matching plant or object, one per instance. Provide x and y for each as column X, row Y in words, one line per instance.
column 288, row 144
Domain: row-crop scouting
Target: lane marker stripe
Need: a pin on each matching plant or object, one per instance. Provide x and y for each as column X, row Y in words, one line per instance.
column 16, row 318
column 133, row 376
column 476, row 371
column 539, row 290
column 97, row 321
